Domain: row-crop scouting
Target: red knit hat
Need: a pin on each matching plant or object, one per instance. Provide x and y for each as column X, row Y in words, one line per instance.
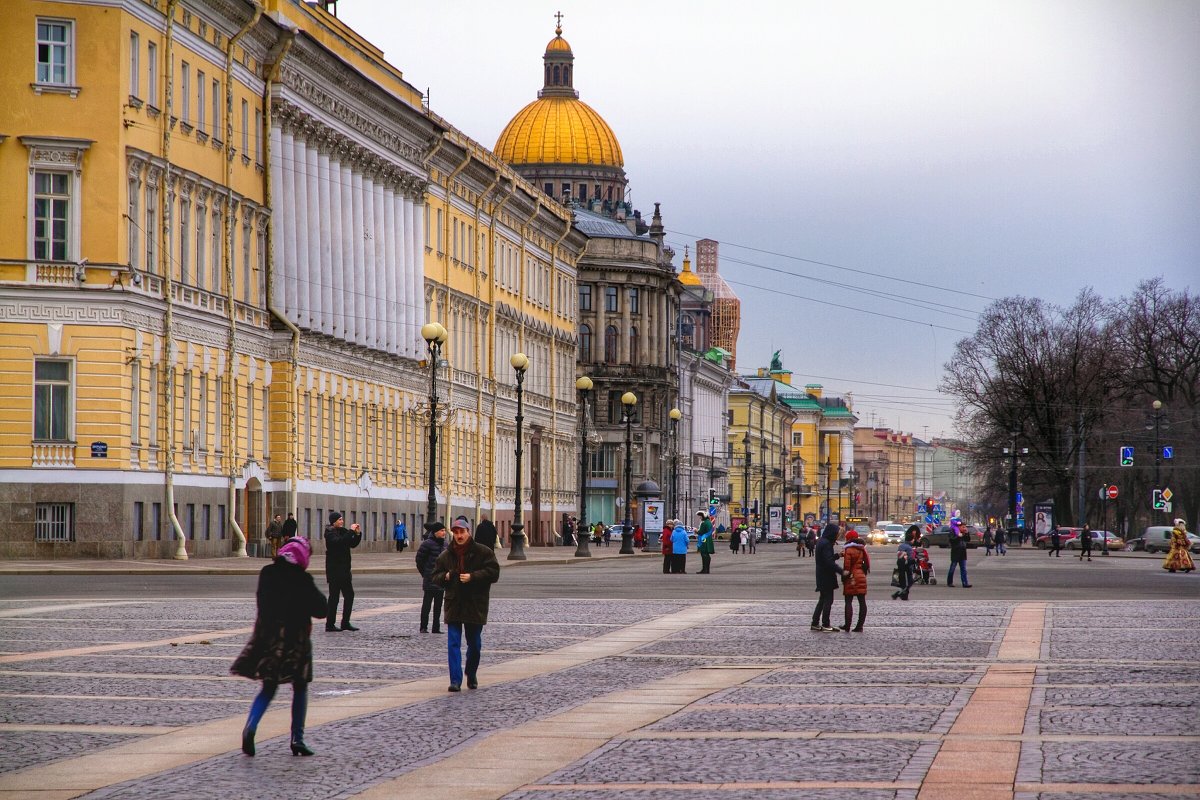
column 851, row 534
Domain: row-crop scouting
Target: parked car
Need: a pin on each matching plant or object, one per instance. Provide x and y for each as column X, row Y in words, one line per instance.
column 1157, row 539
column 774, row 538
column 940, row 537
column 1064, row 535
column 1114, row 542
column 788, row 536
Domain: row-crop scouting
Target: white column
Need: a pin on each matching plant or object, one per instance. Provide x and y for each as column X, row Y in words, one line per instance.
column 381, row 266
column 414, row 273
column 334, row 322
column 392, row 304
column 316, row 264
column 299, row 310
column 284, row 287
column 369, row 321
column 322, row 319
column 358, row 306
column 344, row 280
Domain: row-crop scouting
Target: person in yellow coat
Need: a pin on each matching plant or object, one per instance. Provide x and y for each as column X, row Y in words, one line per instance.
column 1178, row 558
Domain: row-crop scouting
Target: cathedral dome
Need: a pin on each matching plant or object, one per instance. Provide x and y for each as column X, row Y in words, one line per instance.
column 559, row 130
column 558, row 127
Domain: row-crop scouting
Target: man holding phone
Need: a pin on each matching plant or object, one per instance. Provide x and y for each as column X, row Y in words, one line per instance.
column 338, row 543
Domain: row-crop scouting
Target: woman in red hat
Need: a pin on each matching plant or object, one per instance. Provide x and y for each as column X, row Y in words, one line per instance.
column 856, row 565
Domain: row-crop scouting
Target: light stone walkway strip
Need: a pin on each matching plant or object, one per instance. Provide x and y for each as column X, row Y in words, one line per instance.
column 10, row 613
column 978, row 757
column 517, row 758
column 148, row 756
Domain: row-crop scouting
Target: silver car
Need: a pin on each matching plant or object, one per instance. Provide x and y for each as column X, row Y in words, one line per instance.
column 893, row 533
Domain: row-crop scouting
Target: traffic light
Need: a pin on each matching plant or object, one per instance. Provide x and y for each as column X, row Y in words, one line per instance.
column 1157, row 500
column 712, row 497
column 928, row 505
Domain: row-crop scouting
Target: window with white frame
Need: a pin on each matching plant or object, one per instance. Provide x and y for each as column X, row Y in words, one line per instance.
column 258, row 123
column 245, row 259
column 135, row 244
column 152, row 418
column 250, row 420
column 266, row 419
column 152, row 73
column 201, row 238
column 135, row 403
column 187, row 409
column 51, row 216
column 185, row 215
column 52, row 400
column 245, row 129
column 150, row 229
column 200, row 89
column 135, row 67
column 216, row 109
column 217, row 250
column 55, row 52
column 219, row 415
column 54, row 522
column 202, row 408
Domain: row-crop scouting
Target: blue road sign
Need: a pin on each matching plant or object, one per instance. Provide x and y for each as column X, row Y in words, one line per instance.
column 1168, row 451
column 1126, row 456
column 1020, row 499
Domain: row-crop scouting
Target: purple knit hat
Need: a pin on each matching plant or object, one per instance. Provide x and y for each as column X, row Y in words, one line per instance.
column 296, row 551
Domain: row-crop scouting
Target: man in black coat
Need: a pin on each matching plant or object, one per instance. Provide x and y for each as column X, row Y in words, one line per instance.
column 338, row 543
column 289, row 526
column 828, row 571
column 485, row 533
column 467, row 570
column 427, row 555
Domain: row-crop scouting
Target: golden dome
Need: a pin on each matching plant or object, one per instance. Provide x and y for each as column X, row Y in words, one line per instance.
column 687, row 277
column 558, row 44
column 559, row 130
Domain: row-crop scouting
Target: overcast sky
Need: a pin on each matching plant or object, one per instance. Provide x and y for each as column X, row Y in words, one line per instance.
column 932, row 156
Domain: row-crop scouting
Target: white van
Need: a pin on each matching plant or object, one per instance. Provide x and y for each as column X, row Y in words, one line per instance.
column 1157, row 539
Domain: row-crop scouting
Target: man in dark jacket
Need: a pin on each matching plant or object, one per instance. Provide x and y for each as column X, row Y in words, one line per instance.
column 290, row 526
column 338, row 543
column 467, row 570
column 427, row 556
column 958, row 553
column 828, row 571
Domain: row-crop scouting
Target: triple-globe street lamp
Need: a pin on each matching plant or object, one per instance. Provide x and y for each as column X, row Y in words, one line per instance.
column 516, row 552
column 628, row 401
column 435, row 338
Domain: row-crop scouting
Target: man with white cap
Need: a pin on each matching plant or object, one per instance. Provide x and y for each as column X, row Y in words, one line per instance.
column 467, row 570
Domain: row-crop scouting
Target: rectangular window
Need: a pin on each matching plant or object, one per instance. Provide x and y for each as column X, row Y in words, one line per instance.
column 135, row 69
column 220, row 521
column 51, row 216
column 245, row 261
column 156, row 520
column 585, row 297
column 797, row 438
column 216, row 250
column 320, row 426
column 219, row 415
column 133, row 215
column 266, row 428
column 308, row 428
column 250, row 420
column 202, row 413
column 201, row 238
column 54, row 522
column 152, row 417
column 634, row 299
column 55, row 59
column 52, row 401
column 151, row 228
column 245, row 129
column 206, row 521
column 260, row 243
column 135, row 403
column 188, row 443
column 185, row 216
column 185, row 95
column 582, row 192
column 190, row 520
column 200, row 87
column 139, row 522
column 439, row 232
column 611, row 299
column 152, row 73
column 216, row 109
column 258, row 123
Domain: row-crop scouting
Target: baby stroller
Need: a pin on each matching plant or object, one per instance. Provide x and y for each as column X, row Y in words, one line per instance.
column 924, row 572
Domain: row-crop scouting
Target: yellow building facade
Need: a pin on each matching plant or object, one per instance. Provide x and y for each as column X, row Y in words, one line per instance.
column 220, row 254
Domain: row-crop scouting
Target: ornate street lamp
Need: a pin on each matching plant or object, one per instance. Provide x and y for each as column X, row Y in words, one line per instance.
column 628, row 400
column 1157, row 416
column 746, row 480
column 828, row 478
column 435, row 338
column 584, row 385
column 675, row 414
column 516, row 552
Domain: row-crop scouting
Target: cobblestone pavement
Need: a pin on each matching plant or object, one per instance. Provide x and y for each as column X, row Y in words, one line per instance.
column 645, row 700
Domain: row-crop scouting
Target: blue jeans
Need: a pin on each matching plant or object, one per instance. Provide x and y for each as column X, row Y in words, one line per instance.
column 454, row 636
column 299, row 707
column 962, row 570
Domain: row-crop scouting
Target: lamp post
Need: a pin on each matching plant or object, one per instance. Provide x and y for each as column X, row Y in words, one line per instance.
column 628, row 400
column 853, row 492
column 1013, row 452
column 584, row 385
column 435, row 337
column 828, row 478
column 746, row 480
column 675, row 414
column 1157, row 416
column 516, row 552
column 762, row 490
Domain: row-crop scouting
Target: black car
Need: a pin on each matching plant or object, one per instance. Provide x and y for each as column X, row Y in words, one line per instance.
column 940, row 536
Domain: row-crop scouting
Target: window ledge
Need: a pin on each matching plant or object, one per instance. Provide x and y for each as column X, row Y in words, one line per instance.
column 186, row 128
column 217, row 143
column 152, row 111
column 201, row 137
column 245, row 161
column 135, row 101
column 55, row 88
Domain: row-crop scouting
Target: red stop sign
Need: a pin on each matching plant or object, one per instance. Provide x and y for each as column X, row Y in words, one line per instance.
column 1112, row 492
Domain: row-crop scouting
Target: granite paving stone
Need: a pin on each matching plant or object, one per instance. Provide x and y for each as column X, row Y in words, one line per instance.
column 832, row 716
column 22, row 749
column 1129, row 721
column 822, row 694
column 1130, row 761
column 706, row 793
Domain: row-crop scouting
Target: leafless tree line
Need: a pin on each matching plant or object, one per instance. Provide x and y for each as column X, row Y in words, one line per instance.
column 1074, row 385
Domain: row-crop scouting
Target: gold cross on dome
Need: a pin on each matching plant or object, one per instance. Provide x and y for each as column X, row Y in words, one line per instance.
column 558, row 19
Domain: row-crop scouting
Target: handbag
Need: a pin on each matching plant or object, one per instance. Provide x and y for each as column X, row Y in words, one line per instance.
column 897, row 580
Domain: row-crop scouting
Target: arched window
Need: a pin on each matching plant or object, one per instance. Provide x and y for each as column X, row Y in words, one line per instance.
column 610, row 345
column 633, row 346
column 547, row 74
column 585, row 343
column 566, row 76
column 556, row 74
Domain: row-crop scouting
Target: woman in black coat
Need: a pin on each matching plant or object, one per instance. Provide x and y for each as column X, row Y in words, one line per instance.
column 827, row 577
column 280, row 649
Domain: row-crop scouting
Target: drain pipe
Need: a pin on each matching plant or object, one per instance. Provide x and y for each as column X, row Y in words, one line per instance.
column 230, row 300
column 168, row 406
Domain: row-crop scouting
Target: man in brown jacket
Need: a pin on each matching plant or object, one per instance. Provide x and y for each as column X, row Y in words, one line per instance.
column 467, row 570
